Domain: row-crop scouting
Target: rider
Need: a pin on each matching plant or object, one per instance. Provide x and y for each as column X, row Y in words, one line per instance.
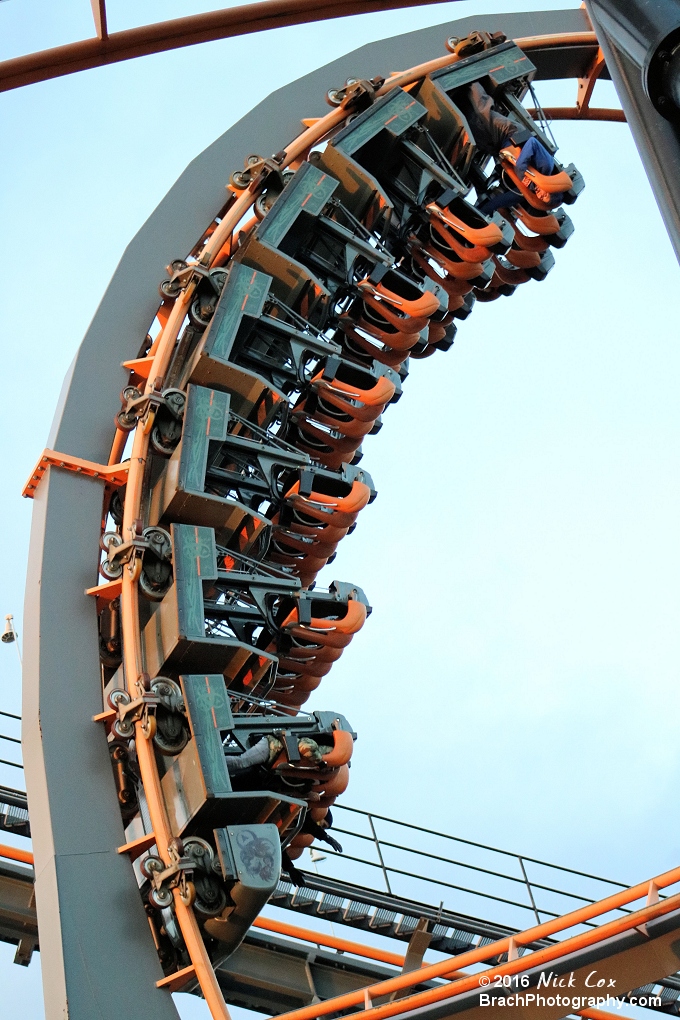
column 493, row 133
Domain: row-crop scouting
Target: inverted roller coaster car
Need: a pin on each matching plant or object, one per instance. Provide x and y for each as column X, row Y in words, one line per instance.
column 282, row 339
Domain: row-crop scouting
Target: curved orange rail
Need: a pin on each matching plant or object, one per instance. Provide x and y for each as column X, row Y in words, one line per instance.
column 246, row 19
column 12, row 853
column 505, row 945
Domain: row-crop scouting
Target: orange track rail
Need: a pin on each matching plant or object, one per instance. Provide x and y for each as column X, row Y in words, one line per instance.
column 246, row 19
column 12, row 853
column 505, row 945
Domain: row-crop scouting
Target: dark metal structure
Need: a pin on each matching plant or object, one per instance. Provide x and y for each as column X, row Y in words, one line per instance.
column 640, row 41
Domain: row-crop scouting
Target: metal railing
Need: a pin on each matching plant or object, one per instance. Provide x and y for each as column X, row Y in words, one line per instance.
column 420, row 863
column 10, row 740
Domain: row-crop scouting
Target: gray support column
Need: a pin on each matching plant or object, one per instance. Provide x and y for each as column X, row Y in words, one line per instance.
column 98, row 958
column 632, row 35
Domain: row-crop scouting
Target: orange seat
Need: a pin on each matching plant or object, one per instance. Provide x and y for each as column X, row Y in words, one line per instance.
column 530, row 242
column 407, row 308
column 350, row 622
column 523, row 259
column 447, row 259
column 350, row 398
column 481, row 237
column 467, row 252
column 343, row 746
column 301, row 655
column 301, row 842
column 335, row 786
column 548, row 184
column 330, row 449
column 324, row 506
column 312, row 669
column 303, row 566
column 540, row 224
column 378, row 326
column 292, row 701
column 509, row 275
column 357, row 343
column 326, row 533
column 317, row 814
column 287, row 541
column 453, row 287
column 322, row 414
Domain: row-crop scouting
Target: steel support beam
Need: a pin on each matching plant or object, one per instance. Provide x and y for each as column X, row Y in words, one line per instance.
column 91, row 917
column 635, row 35
column 270, row 974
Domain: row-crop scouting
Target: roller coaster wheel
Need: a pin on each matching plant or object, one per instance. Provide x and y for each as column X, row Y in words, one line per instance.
column 110, row 571
column 149, row 727
column 169, row 289
column 116, row 506
column 118, row 697
column 150, row 866
column 264, row 203
column 199, row 849
column 129, row 393
column 157, row 443
column 210, row 897
column 175, row 401
column 111, row 660
column 150, row 589
column 201, row 312
column 171, row 734
column 163, row 687
column 124, row 729
column 217, row 279
column 160, row 898
column 127, row 422
column 110, row 540
column 239, row 180
column 156, row 573
column 187, row 893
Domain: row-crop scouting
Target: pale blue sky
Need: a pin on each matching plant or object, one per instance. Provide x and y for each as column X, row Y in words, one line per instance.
column 517, row 682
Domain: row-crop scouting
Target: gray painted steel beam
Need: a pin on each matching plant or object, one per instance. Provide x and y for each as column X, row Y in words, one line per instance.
column 272, row 975
column 94, row 934
column 630, row 34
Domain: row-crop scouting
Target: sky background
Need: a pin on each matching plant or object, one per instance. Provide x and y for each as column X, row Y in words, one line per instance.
column 517, row 683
